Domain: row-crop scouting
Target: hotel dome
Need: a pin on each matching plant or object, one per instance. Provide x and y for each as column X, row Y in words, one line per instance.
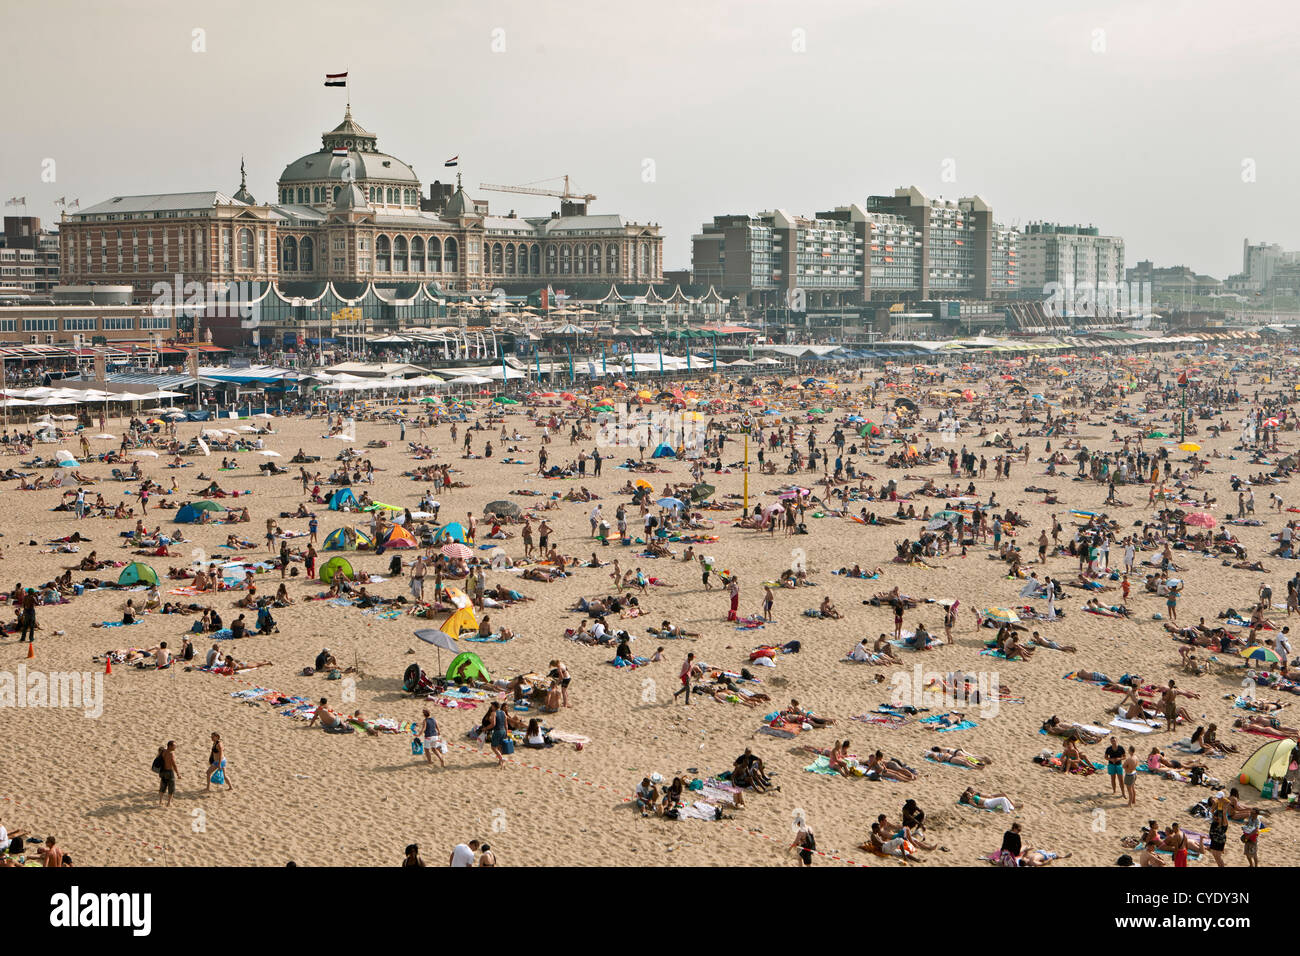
column 348, row 153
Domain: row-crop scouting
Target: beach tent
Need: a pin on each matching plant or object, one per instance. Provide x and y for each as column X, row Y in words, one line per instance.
column 1269, row 762
column 347, row 539
column 137, row 573
column 187, row 514
column 467, row 667
column 664, row 450
column 502, row 508
column 207, row 506
column 343, row 497
column 452, row 532
column 398, row 537
column 333, row 566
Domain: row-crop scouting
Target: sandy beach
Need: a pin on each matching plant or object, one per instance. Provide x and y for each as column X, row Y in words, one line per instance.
column 315, row 798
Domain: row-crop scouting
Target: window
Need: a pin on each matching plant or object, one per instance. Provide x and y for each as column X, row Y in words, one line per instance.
column 566, row 259
column 339, row 263
column 8, row 325
column 550, row 260
column 400, row 254
column 79, row 325
column 306, row 254
column 594, row 258
column 227, row 261
column 245, row 248
column 417, row 254
column 363, row 264
column 451, row 256
column 118, row 323
column 289, row 254
column 383, row 254
column 39, row 325
column 155, row 322
column 339, row 244
column 435, row 255
column 611, row 259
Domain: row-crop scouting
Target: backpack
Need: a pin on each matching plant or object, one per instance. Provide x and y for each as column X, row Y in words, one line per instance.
column 157, row 766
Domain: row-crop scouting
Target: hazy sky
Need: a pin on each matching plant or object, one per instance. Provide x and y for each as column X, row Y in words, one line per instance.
column 1133, row 116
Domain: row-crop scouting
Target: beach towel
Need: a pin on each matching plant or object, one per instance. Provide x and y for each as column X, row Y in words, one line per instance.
column 822, row 766
column 1137, row 726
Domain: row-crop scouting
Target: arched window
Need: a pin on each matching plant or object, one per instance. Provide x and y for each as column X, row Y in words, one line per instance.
column 289, row 254
column 593, row 257
column 306, row 255
column 510, row 259
column 301, row 198
column 498, row 266
column 400, row 254
column 535, row 260
column 523, row 259
column 645, row 259
column 335, row 197
column 550, row 261
column 315, row 194
column 580, row 258
column 435, row 255
column 245, row 248
column 611, row 259
column 566, row 259
column 417, row 254
column 451, row 255
column 390, row 196
column 383, row 254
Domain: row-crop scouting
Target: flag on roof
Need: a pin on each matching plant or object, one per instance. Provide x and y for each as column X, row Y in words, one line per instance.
column 340, row 151
column 454, row 161
column 336, row 79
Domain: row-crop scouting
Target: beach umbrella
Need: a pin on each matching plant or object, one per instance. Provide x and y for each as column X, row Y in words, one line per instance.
column 439, row 640
column 1157, row 435
column 1261, row 653
column 1201, row 519
column 208, row 506
column 145, row 453
column 642, row 483
column 502, row 400
column 702, row 492
column 670, row 503
column 1003, row 615
column 457, row 551
column 269, row 454
column 502, row 508
column 1190, row 446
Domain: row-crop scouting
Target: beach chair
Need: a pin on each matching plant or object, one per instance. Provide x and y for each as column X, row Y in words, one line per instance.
column 118, row 476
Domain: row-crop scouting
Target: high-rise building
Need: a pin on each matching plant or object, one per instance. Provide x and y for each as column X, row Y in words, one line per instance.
column 893, row 248
column 964, row 253
column 1073, row 256
column 29, row 258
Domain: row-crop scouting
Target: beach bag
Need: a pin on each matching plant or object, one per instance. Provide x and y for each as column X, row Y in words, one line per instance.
column 334, row 675
column 308, row 671
column 508, row 746
column 158, row 765
column 219, row 777
column 417, row 746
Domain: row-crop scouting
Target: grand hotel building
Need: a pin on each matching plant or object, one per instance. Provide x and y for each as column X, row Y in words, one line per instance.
column 350, row 227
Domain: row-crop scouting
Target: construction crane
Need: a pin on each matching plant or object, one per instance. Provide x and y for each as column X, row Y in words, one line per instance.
column 566, row 195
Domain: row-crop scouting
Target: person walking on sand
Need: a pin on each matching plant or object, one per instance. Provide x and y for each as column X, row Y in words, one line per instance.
column 768, row 600
column 734, row 591
column 433, row 745
column 217, row 764
column 688, row 668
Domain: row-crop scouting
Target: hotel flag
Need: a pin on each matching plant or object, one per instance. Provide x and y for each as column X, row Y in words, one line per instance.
column 454, row 161
column 336, row 79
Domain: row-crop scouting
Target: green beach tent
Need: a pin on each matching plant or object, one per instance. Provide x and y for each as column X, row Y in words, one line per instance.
column 467, row 667
column 333, row 566
column 138, row 573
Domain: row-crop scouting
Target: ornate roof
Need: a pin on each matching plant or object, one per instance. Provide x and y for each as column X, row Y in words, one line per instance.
column 363, row 161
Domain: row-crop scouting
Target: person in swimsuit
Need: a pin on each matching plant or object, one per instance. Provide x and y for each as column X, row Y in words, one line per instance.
column 1115, row 765
column 217, row 762
column 1177, row 843
column 1130, row 775
column 433, row 745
